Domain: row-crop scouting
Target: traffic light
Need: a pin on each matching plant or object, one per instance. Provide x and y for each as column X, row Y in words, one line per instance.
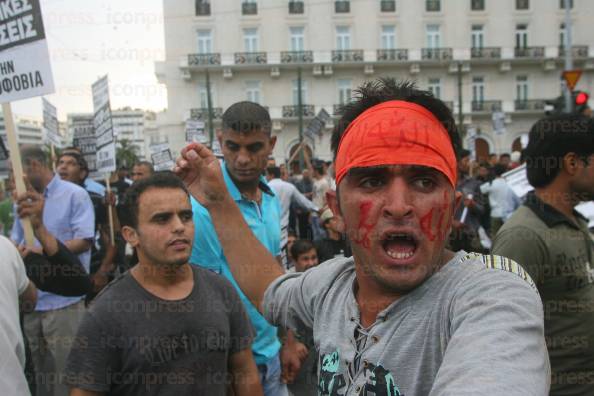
column 579, row 100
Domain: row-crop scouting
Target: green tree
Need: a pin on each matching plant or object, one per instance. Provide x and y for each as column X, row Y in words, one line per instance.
column 126, row 153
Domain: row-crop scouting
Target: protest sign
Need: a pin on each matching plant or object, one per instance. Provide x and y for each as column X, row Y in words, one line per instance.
column 25, row 72
column 102, row 122
column 316, row 126
column 25, row 69
column 50, row 124
column 195, row 131
column 162, row 160
column 518, row 181
column 83, row 137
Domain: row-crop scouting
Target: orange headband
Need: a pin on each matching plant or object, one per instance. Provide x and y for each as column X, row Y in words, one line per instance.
column 396, row 133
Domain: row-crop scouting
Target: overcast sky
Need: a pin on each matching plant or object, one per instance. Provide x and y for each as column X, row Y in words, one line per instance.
column 90, row 38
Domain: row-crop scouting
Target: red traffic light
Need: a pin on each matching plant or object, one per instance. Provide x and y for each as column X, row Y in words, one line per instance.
column 581, row 98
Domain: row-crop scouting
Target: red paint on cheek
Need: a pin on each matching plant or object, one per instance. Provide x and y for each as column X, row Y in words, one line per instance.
column 426, row 222
column 441, row 213
column 364, row 229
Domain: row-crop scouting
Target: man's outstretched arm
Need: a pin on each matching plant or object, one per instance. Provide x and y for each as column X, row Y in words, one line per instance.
column 252, row 265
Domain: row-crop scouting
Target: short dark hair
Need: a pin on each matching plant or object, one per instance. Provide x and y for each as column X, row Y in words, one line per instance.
column 550, row 139
column 33, row 153
column 78, row 157
column 372, row 93
column 245, row 117
column 499, row 169
column 128, row 214
column 299, row 247
column 274, row 171
column 505, row 155
column 464, row 153
column 148, row 164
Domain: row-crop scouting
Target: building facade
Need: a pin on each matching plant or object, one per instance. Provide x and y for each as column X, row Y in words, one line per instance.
column 502, row 58
column 134, row 125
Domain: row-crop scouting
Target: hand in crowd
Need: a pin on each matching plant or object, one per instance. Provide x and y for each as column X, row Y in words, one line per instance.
column 293, row 354
column 201, row 172
column 30, row 204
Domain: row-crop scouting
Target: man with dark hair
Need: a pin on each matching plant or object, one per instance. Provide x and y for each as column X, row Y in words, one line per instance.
column 288, row 195
column 142, row 170
column 154, row 330
column 553, row 243
column 403, row 297
column 246, row 143
column 68, row 216
column 467, row 219
column 333, row 244
column 304, row 255
column 89, row 184
column 502, row 199
column 505, row 160
column 72, row 167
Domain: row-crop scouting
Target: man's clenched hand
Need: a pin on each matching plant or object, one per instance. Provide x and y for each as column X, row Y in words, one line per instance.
column 201, row 172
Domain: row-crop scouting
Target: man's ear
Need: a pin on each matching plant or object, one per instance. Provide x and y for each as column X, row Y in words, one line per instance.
column 130, row 235
column 334, row 205
column 272, row 142
column 570, row 163
column 457, row 200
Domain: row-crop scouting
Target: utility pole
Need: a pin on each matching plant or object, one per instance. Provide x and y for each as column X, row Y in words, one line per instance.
column 568, row 56
column 460, row 115
column 300, row 116
column 209, row 102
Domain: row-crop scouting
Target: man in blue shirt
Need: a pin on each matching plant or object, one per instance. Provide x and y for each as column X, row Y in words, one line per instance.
column 246, row 143
column 68, row 215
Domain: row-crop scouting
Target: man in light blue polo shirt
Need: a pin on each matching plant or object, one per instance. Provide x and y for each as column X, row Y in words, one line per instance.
column 246, row 144
column 68, row 215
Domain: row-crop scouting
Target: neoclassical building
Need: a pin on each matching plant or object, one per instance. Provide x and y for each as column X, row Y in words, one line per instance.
column 494, row 62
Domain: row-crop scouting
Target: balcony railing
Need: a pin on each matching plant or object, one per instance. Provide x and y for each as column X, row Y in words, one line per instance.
column 292, row 111
column 436, row 54
column 347, row 56
column 529, row 105
column 201, row 113
column 529, row 52
column 202, row 8
column 250, row 58
column 249, row 8
column 577, row 51
column 392, row 55
column 388, row 5
column 204, row 59
column 488, row 106
column 342, row 6
column 296, row 7
column 485, row 53
column 296, row 57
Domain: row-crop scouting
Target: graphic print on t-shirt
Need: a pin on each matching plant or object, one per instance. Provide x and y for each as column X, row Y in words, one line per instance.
column 332, row 382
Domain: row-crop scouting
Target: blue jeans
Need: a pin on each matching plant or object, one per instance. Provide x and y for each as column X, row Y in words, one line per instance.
column 270, row 377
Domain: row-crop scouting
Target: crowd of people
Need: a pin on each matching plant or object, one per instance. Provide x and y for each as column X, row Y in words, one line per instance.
column 401, row 267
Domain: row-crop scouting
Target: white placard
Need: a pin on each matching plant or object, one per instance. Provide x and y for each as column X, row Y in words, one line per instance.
column 50, row 123
column 499, row 122
column 195, row 131
column 216, row 148
column 83, row 137
column 25, row 69
column 102, row 122
column 162, row 160
column 587, row 210
column 518, row 181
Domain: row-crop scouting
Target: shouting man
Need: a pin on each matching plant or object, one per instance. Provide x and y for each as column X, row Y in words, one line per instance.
column 403, row 316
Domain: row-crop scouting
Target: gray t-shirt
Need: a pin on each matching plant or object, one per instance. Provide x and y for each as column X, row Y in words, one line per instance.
column 473, row 328
column 131, row 342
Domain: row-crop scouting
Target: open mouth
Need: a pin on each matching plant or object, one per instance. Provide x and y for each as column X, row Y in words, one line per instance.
column 400, row 246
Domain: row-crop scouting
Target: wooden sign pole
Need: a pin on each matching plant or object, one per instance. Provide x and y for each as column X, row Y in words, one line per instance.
column 17, row 167
column 109, row 210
